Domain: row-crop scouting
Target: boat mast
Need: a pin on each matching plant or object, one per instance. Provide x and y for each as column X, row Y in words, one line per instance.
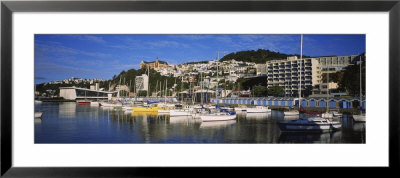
column 217, row 75
column 201, row 87
column 182, row 92
column 301, row 58
column 327, row 90
column 360, row 86
column 148, row 81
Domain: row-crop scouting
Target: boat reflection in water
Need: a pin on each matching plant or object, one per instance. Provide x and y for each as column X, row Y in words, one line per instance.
column 151, row 114
column 67, row 110
column 258, row 115
column 217, row 124
column 38, row 120
column 309, row 137
column 71, row 123
column 183, row 119
column 288, row 118
column 358, row 126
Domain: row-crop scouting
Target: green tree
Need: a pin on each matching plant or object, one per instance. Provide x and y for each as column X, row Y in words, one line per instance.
column 260, row 91
column 259, row 56
column 276, row 91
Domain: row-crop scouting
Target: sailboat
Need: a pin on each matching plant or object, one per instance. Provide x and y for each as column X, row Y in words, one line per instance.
column 360, row 117
column 308, row 124
column 185, row 111
column 222, row 114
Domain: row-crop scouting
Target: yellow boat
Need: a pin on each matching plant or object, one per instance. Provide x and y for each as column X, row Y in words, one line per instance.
column 146, row 109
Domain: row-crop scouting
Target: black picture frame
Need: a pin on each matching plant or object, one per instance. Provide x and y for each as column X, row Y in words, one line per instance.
column 8, row 7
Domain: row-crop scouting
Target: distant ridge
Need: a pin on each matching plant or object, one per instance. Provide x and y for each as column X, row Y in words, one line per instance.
column 259, row 57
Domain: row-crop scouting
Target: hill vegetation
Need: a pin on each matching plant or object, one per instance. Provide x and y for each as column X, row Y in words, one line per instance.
column 260, row 56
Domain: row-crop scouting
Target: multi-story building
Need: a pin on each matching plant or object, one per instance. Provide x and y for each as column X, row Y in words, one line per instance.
column 286, row 74
column 335, row 63
column 261, row 69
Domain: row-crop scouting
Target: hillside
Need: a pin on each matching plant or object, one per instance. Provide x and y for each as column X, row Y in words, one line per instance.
column 260, row 56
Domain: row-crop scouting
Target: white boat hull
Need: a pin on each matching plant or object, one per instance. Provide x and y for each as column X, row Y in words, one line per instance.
column 307, row 125
column 327, row 115
column 38, row 114
column 214, row 117
column 163, row 111
column 291, row 113
column 179, row 113
column 258, row 109
column 109, row 105
column 251, row 110
column 359, row 118
column 240, row 109
column 336, row 114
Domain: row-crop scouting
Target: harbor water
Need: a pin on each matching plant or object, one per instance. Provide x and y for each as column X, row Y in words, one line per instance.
column 68, row 122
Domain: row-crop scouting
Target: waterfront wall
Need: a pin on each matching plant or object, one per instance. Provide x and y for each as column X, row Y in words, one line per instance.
column 342, row 103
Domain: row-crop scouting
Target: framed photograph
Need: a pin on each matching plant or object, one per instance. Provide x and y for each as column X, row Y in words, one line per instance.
column 103, row 88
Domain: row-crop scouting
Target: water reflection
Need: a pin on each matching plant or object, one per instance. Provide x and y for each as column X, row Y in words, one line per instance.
column 38, row 120
column 357, row 126
column 71, row 123
column 217, row 124
column 67, row 110
column 258, row 115
column 309, row 137
column 286, row 118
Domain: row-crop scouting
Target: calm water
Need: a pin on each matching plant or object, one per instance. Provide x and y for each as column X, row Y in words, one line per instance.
column 71, row 123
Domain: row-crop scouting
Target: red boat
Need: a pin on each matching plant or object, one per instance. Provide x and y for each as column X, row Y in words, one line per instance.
column 83, row 102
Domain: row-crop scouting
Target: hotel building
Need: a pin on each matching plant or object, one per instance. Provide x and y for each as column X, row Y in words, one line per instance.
column 286, row 74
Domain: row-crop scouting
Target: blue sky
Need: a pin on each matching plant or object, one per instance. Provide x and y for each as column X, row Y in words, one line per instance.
column 59, row 57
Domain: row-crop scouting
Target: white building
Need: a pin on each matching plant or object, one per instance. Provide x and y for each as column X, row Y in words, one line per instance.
column 74, row 93
column 286, row 74
column 142, row 82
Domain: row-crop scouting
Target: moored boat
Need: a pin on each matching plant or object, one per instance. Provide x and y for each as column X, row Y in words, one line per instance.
column 106, row 104
column 38, row 114
column 310, row 124
column 180, row 112
column 146, row 108
column 291, row 113
column 83, row 101
column 240, row 109
column 327, row 115
column 258, row 109
column 337, row 114
column 94, row 103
